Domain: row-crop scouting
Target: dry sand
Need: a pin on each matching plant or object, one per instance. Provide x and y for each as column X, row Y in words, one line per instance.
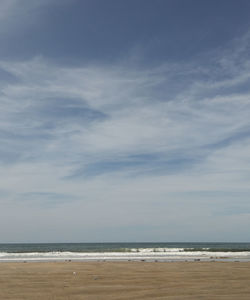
column 125, row 280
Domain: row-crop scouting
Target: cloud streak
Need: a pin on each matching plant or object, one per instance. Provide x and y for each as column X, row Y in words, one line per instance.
column 147, row 141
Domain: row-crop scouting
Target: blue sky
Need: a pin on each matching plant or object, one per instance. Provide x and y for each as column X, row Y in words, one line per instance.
column 124, row 120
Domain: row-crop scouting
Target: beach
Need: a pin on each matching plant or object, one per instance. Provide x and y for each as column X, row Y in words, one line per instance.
column 125, row 280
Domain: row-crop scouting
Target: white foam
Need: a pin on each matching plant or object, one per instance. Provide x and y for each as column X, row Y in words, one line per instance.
column 135, row 254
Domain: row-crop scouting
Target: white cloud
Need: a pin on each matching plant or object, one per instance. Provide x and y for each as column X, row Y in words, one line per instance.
column 129, row 113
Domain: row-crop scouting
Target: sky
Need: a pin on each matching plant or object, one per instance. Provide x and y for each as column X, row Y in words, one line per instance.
column 124, row 120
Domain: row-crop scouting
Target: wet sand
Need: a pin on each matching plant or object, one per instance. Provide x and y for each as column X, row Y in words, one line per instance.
column 125, row 280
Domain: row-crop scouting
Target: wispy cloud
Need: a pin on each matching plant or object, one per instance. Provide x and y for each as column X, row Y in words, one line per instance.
column 118, row 134
column 118, row 112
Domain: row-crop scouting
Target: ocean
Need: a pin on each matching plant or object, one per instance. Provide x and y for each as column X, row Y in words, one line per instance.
column 125, row 251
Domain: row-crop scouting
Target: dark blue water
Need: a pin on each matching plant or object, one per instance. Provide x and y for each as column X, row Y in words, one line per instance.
column 120, row 247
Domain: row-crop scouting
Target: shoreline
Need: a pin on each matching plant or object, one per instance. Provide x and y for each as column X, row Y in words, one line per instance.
column 205, row 260
column 217, row 258
column 124, row 256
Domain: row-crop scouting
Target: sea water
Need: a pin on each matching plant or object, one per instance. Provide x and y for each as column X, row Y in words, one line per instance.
column 125, row 251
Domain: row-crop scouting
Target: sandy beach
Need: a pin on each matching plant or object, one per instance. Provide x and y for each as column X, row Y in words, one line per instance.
column 125, row 280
